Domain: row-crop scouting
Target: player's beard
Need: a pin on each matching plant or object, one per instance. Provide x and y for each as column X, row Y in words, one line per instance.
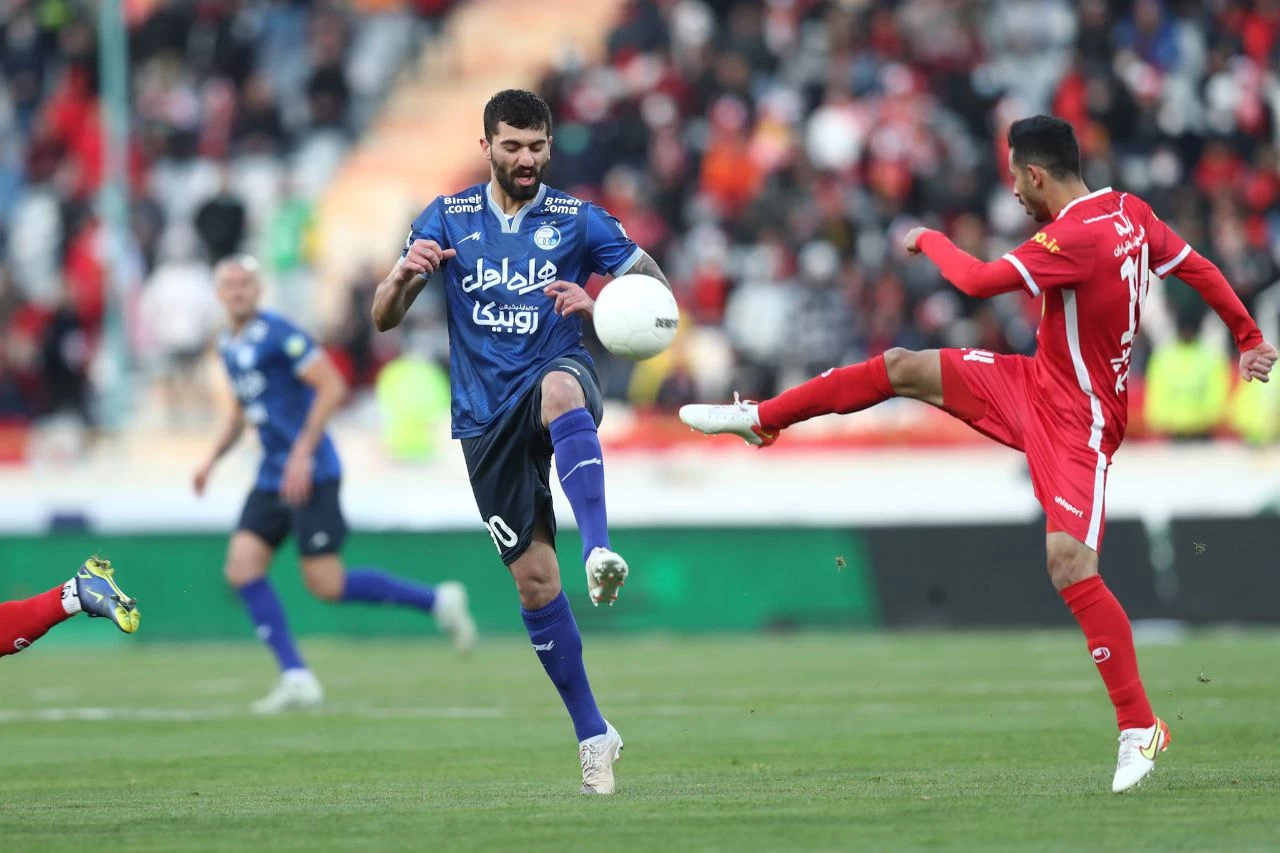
column 515, row 192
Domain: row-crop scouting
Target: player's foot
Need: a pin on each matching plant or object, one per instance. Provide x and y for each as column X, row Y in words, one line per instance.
column 297, row 690
column 99, row 596
column 597, row 755
column 738, row 418
column 453, row 617
column 1138, row 751
column 606, row 573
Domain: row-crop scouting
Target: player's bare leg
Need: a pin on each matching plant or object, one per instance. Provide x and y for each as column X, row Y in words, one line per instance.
column 248, row 558
column 841, row 390
column 554, row 635
column 580, row 469
column 1073, row 569
column 328, row 579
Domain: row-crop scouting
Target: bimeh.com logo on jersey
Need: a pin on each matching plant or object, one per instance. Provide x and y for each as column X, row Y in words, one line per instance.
column 547, row 237
column 520, row 279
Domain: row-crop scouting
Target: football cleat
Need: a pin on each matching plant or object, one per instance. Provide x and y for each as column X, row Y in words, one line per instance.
column 597, row 755
column 297, row 690
column 738, row 418
column 453, row 617
column 606, row 573
column 99, row 596
column 1138, row 751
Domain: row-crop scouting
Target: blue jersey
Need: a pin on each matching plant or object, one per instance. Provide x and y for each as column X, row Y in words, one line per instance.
column 263, row 362
column 503, row 330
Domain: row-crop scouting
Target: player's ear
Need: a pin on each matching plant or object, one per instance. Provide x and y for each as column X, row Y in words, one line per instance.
column 486, row 148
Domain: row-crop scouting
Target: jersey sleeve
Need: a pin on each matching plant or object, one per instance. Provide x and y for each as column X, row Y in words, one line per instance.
column 297, row 346
column 609, row 249
column 1168, row 250
column 1054, row 257
column 428, row 226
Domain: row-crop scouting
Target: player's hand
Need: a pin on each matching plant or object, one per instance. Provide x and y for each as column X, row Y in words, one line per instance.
column 1257, row 362
column 295, row 487
column 912, row 241
column 570, row 299
column 201, row 478
column 424, row 258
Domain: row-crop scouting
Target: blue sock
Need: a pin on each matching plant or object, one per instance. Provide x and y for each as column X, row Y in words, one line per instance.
column 555, row 638
column 379, row 587
column 580, row 467
column 268, row 616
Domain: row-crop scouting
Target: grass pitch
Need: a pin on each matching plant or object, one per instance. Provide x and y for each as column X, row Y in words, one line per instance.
column 812, row 742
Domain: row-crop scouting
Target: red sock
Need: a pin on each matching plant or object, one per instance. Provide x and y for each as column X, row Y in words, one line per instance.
column 24, row 622
column 1106, row 630
column 840, row 390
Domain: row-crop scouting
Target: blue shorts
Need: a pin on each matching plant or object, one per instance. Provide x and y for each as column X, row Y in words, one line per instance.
column 510, row 464
column 318, row 525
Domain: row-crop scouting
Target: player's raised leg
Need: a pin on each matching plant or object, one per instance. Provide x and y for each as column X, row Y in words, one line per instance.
column 1073, row 568
column 555, row 637
column 329, row 580
column 840, row 390
column 580, row 468
column 93, row 590
column 248, row 558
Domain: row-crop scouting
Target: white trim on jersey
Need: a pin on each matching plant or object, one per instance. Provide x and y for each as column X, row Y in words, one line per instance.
column 511, row 224
column 1165, row 268
column 307, row 359
column 1076, row 201
column 1071, row 316
column 1026, row 274
column 628, row 263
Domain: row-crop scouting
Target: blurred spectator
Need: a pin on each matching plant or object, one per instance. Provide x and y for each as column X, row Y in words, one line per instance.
column 1188, row 380
column 220, row 221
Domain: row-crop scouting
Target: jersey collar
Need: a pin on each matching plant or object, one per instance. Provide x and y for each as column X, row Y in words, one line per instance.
column 1076, row 201
column 514, row 227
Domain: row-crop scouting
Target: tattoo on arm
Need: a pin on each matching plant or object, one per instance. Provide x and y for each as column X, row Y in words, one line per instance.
column 646, row 265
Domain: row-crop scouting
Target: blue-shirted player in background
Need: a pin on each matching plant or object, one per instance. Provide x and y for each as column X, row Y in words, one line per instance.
column 514, row 255
column 286, row 386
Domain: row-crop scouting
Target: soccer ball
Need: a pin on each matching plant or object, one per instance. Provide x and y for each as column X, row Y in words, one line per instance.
column 636, row 316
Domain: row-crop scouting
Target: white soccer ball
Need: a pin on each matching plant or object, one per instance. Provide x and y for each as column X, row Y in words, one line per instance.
column 636, row 316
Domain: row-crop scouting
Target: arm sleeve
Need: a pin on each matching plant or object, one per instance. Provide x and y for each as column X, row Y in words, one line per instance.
column 297, row 346
column 967, row 273
column 428, row 226
column 1168, row 250
column 609, row 249
column 1054, row 257
column 1209, row 282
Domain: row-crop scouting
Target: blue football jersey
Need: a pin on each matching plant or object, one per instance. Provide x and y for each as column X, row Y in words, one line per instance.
column 263, row 362
column 502, row 328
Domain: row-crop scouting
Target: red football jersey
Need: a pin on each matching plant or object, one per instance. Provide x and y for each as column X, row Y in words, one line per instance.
column 1091, row 264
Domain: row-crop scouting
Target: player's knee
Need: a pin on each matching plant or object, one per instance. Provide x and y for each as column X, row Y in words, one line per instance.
column 537, row 591
column 904, row 368
column 561, row 393
column 243, row 572
column 1070, row 564
column 325, row 584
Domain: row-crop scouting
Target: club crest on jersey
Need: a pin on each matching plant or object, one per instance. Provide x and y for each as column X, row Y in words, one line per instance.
column 547, row 237
column 522, row 280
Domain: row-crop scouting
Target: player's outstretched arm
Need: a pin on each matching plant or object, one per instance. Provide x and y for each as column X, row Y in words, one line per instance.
column 405, row 281
column 967, row 273
column 572, row 299
column 232, row 429
column 1257, row 357
column 646, row 265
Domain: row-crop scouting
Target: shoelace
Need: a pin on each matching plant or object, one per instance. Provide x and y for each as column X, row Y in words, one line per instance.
column 740, row 403
column 592, row 758
column 1130, row 744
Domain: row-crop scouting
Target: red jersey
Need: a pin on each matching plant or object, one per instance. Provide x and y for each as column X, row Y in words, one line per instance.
column 1091, row 264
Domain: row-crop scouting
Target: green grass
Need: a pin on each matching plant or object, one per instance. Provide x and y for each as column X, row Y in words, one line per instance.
column 813, row 742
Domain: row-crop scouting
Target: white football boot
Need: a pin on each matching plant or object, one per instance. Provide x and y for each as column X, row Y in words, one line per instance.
column 597, row 755
column 606, row 573
column 297, row 690
column 740, row 418
column 1138, row 751
column 453, row 617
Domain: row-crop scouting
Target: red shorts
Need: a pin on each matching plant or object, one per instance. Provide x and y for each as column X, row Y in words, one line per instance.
column 994, row 395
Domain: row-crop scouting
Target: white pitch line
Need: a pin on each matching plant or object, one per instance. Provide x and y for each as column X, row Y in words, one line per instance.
column 199, row 715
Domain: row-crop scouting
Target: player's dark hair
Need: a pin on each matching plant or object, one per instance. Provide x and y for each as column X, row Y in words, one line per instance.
column 1046, row 141
column 518, row 108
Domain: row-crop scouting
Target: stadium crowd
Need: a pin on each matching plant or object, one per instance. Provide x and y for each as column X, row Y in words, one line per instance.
column 769, row 154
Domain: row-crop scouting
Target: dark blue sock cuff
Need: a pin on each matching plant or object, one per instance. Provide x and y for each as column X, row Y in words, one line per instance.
column 576, row 420
column 252, row 585
column 556, row 608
